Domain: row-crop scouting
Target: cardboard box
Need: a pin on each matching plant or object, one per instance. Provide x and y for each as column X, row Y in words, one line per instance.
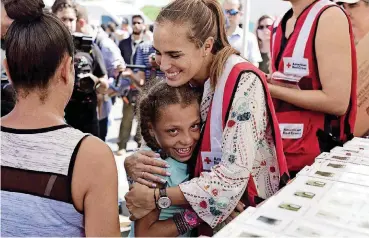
column 362, row 119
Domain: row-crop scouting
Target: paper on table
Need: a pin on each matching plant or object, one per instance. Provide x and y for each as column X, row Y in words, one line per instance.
column 362, row 119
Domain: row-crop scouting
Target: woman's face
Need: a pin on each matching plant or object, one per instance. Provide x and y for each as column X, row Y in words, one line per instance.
column 178, row 130
column 263, row 29
column 178, row 58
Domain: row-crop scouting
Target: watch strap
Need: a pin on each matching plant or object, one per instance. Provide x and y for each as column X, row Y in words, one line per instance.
column 163, row 192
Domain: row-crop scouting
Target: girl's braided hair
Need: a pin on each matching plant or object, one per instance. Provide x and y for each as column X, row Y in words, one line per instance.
column 155, row 96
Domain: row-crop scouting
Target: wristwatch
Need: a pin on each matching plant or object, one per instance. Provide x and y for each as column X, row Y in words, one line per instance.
column 163, row 201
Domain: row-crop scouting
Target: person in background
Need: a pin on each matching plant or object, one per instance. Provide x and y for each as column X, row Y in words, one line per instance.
column 148, row 35
column 358, row 11
column 233, row 10
column 125, row 30
column 66, row 11
column 111, row 31
column 129, row 48
column 7, row 91
column 263, row 33
column 55, row 180
column 104, row 27
column 313, row 81
column 146, row 57
column 113, row 61
column 81, row 111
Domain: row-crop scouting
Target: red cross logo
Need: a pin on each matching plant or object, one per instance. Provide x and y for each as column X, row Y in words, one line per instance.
column 207, row 160
column 289, row 65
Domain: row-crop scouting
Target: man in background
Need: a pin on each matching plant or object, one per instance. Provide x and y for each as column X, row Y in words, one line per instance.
column 7, row 91
column 129, row 48
column 233, row 11
column 81, row 111
column 125, row 30
column 113, row 60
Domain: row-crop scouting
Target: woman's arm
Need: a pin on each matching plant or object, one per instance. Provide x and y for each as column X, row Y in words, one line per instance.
column 333, row 52
column 215, row 194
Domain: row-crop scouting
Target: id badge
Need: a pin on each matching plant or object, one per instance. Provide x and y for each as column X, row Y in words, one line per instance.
column 209, row 159
column 291, row 131
column 296, row 66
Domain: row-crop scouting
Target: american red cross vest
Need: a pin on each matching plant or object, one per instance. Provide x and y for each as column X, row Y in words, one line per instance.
column 298, row 68
column 210, row 149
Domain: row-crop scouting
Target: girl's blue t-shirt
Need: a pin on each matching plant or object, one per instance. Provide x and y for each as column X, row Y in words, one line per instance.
column 179, row 174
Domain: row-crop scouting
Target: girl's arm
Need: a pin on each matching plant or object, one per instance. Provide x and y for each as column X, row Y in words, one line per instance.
column 333, row 52
column 150, row 226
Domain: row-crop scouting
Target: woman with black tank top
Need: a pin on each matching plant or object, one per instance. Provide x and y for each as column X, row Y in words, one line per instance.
column 55, row 180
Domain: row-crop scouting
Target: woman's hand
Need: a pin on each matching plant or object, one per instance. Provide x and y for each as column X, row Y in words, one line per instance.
column 140, row 201
column 142, row 166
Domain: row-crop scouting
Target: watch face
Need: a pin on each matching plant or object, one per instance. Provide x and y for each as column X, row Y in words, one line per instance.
column 164, row 202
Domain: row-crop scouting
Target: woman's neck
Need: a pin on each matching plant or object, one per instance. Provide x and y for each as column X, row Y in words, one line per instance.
column 30, row 112
column 265, row 46
column 200, row 78
column 298, row 6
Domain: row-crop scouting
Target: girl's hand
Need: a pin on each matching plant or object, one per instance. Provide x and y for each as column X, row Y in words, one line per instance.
column 142, row 166
column 140, row 201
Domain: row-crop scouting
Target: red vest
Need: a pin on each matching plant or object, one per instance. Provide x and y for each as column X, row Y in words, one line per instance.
column 298, row 68
column 210, row 152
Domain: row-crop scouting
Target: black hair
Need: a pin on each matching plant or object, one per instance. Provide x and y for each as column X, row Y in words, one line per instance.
column 156, row 95
column 138, row 16
column 36, row 43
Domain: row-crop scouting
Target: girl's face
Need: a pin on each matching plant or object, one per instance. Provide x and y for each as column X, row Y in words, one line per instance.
column 178, row 58
column 177, row 130
column 263, row 29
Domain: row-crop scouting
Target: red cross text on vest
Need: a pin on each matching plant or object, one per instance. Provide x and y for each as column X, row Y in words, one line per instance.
column 289, row 65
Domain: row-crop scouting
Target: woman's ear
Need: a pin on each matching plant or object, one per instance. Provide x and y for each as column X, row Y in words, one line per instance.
column 67, row 69
column 208, row 45
column 6, row 66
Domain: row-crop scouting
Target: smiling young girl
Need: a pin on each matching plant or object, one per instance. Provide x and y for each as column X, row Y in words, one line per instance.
column 170, row 125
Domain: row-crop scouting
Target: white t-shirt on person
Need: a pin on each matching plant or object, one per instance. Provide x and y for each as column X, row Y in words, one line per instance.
column 253, row 52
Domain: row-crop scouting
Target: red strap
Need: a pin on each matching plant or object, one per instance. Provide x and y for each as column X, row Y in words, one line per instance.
column 228, row 95
column 205, row 144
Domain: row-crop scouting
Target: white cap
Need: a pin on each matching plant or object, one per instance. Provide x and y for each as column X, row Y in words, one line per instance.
column 347, row 1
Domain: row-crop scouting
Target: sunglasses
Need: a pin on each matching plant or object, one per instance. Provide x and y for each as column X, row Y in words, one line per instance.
column 261, row 27
column 232, row 12
column 136, row 23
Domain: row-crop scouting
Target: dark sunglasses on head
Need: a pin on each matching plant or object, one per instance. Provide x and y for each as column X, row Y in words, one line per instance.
column 232, row 12
column 261, row 27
